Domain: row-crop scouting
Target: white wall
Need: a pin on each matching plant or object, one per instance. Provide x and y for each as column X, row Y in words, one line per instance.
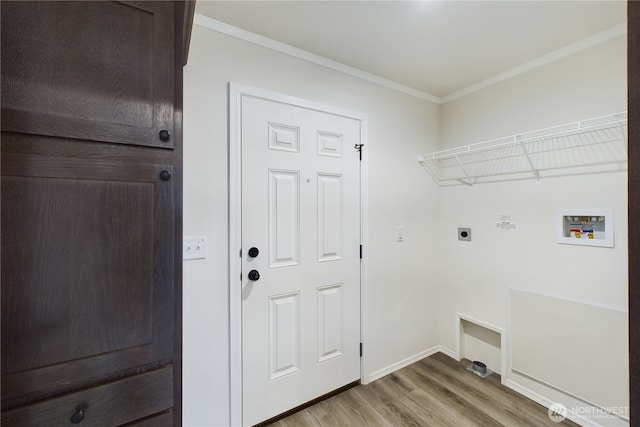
column 476, row 275
column 416, row 287
column 401, row 287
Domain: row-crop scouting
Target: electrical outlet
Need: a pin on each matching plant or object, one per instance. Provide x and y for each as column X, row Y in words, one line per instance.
column 464, row 234
column 194, row 247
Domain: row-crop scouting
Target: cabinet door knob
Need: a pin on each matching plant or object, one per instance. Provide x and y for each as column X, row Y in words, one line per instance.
column 77, row 417
column 165, row 175
column 164, row 135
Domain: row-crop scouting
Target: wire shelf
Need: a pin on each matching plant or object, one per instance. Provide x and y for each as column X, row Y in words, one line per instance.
column 589, row 146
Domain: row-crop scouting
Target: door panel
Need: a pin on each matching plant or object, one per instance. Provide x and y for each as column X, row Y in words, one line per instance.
column 330, row 327
column 329, row 217
column 329, row 144
column 284, row 334
column 284, row 218
column 284, row 137
column 300, row 203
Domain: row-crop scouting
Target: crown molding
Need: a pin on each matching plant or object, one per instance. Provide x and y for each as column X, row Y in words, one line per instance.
column 230, row 30
column 268, row 43
column 556, row 55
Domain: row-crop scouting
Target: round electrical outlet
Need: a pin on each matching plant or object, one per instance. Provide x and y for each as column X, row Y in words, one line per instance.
column 464, row 234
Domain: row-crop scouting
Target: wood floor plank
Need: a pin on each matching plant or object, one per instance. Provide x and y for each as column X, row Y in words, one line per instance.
column 437, row 391
column 429, row 407
column 526, row 411
column 476, row 394
column 514, row 411
column 381, row 397
column 458, row 401
column 348, row 408
column 302, row 418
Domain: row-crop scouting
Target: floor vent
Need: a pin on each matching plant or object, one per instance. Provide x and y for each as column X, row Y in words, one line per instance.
column 480, row 369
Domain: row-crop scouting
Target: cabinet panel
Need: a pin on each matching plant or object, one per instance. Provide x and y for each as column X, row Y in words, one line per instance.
column 111, row 404
column 86, row 286
column 163, row 420
column 70, row 287
column 89, row 70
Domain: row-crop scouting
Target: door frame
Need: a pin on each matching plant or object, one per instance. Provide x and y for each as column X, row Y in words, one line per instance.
column 236, row 93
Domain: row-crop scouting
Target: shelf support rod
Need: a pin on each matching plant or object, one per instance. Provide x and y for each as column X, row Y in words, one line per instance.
column 470, row 184
column 526, row 154
column 422, row 162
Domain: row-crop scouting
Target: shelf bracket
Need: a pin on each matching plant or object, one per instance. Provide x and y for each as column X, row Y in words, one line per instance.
column 422, row 162
column 536, row 174
column 469, row 183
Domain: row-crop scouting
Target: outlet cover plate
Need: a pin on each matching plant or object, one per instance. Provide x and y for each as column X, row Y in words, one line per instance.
column 464, row 234
column 194, row 247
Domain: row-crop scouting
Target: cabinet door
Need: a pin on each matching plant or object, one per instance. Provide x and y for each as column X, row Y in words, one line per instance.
column 92, row 70
column 87, row 270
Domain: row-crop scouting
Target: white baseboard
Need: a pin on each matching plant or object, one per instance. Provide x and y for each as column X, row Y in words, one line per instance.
column 447, row 351
column 538, row 398
column 408, row 361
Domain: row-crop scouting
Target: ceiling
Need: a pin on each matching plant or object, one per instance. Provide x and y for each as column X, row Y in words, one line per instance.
column 438, row 48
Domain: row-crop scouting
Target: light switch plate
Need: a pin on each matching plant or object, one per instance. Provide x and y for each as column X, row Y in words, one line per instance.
column 194, row 247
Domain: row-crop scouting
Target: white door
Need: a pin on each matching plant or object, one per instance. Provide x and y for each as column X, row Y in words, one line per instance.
column 301, row 211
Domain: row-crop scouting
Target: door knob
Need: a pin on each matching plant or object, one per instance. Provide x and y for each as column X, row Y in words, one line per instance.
column 254, row 275
column 253, row 252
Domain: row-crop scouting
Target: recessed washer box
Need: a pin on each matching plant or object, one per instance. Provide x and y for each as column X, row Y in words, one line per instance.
column 586, row 227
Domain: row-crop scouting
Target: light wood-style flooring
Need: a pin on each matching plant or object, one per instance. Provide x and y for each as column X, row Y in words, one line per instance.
column 437, row 391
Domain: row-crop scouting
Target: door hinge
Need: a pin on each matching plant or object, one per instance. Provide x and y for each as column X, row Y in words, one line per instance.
column 360, row 251
column 359, row 148
column 360, row 349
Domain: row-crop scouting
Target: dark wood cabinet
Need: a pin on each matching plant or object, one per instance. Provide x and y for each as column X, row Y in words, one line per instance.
column 91, row 211
column 113, row 404
column 102, row 70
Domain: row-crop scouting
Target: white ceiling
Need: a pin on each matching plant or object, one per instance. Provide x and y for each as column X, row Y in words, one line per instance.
column 439, row 48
